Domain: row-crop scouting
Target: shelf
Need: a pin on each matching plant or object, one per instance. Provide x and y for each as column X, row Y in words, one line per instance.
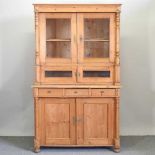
column 104, row 40
column 58, row 40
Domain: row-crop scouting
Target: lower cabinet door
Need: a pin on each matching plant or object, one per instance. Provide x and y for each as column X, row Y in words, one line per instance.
column 95, row 121
column 58, row 121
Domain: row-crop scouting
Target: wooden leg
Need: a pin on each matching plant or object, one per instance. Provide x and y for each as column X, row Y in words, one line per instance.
column 36, row 150
column 37, row 123
column 116, row 147
column 116, row 150
column 36, row 146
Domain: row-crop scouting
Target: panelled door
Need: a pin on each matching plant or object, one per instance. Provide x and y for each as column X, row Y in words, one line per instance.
column 58, row 121
column 95, row 121
column 81, row 121
column 96, row 37
column 58, row 38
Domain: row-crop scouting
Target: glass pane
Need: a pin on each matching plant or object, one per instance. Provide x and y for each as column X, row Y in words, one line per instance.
column 58, row 49
column 96, row 28
column 96, row 49
column 96, row 73
column 58, row 73
column 58, row 29
column 96, row 38
column 58, row 38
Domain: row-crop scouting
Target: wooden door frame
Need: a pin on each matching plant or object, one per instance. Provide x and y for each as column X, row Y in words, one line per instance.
column 80, row 36
column 59, row 141
column 106, row 80
column 42, row 34
column 60, row 80
column 81, row 139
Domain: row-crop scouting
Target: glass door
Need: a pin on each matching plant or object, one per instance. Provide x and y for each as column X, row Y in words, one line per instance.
column 57, row 38
column 96, row 37
column 95, row 74
column 58, row 74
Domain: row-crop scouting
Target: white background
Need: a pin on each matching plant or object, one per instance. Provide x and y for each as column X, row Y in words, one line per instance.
column 137, row 65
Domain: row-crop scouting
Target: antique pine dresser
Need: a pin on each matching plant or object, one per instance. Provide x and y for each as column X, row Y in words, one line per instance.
column 77, row 84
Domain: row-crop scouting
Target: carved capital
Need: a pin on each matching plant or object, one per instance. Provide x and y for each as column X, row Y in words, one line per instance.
column 36, row 19
column 117, row 59
column 118, row 19
column 117, row 92
column 36, row 99
column 36, row 9
column 117, row 102
column 37, row 53
column 35, row 93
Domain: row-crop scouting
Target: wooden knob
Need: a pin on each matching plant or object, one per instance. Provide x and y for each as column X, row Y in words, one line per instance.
column 48, row 91
column 75, row 92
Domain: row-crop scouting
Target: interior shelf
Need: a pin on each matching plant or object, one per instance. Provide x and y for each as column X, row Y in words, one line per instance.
column 58, row 40
column 97, row 39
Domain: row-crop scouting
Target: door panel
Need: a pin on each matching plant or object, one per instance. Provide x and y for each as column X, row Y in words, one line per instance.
column 59, row 128
column 58, row 38
column 58, row 74
column 95, row 74
column 95, row 125
column 96, row 37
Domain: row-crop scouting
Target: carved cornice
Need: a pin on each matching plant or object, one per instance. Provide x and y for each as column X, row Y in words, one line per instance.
column 77, row 7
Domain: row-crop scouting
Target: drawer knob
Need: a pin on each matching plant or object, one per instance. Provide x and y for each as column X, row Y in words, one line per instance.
column 48, row 91
column 102, row 92
column 75, row 92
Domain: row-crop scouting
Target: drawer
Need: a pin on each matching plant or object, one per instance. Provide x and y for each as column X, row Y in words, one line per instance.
column 50, row 92
column 103, row 92
column 76, row 92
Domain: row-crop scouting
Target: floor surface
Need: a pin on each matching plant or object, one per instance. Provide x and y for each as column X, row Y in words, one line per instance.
column 132, row 145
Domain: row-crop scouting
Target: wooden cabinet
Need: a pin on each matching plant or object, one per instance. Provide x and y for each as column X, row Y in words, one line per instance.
column 77, row 84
